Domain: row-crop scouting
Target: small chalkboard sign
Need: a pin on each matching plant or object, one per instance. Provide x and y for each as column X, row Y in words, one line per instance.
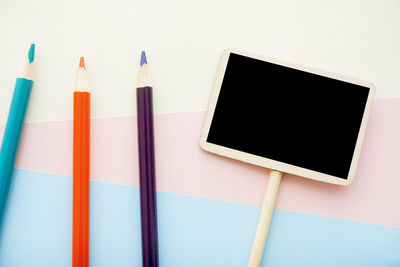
column 288, row 118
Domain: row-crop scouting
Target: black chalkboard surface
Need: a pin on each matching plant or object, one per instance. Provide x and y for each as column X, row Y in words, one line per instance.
column 306, row 119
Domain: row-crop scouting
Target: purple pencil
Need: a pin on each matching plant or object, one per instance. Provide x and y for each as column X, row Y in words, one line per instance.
column 148, row 203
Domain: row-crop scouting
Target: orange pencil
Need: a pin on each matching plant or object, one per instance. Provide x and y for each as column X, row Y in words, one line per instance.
column 81, row 170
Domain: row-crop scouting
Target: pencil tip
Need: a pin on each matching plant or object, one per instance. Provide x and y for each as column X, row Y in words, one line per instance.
column 31, row 53
column 82, row 62
column 143, row 59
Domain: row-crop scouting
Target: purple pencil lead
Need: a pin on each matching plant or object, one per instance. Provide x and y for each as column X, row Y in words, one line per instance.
column 143, row 59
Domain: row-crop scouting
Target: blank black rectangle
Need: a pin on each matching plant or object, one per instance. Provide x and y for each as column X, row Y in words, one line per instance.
column 288, row 115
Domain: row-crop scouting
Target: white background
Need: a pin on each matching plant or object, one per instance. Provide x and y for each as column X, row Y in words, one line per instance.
column 184, row 40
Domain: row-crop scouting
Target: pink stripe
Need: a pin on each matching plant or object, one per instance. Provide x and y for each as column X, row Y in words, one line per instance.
column 182, row 167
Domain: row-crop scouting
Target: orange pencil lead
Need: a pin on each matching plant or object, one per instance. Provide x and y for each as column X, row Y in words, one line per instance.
column 82, row 62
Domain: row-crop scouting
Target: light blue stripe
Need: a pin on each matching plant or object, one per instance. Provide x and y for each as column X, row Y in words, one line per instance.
column 193, row 231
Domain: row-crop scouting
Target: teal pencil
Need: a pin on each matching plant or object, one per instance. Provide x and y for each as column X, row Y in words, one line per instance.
column 15, row 123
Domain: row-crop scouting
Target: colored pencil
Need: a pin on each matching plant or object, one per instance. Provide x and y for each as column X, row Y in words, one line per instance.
column 81, row 169
column 147, row 179
column 15, row 123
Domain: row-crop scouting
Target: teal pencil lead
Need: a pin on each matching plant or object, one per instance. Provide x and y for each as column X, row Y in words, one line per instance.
column 31, row 53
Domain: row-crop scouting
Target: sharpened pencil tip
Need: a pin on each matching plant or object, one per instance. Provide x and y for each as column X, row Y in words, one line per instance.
column 31, row 53
column 82, row 62
column 143, row 59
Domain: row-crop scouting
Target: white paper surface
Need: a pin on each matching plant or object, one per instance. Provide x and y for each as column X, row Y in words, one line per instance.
column 183, row 40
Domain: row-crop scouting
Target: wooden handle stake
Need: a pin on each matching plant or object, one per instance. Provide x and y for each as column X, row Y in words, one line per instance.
column 265, row 218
